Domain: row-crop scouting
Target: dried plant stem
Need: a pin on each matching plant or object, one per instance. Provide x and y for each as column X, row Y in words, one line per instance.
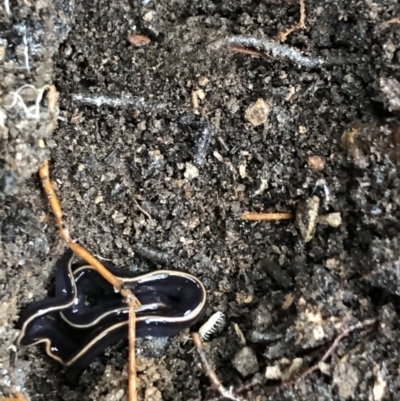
column 209, row 371
column 344, row 333
column 132, row 388
column 131, row 299
column 300, row 25
column 266, row 216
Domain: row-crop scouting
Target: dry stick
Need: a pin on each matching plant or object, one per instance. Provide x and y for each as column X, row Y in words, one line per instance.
column 266, row 216
column 132, row 388
column 343, row 334
column 244, row 50
column 209, row 371
column 100, row 268
column 300, row 25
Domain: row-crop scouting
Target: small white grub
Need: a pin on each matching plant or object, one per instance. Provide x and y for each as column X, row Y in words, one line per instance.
column 191, row 171
column 257, row 113
column 273, row 373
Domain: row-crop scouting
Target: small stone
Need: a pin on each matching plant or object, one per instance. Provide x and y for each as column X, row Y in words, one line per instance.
column 191, row 171
column 306, row 217
column 316, row 163
column 273, row 373
column 331, row 219
column 257, row 113
column 148, row 17
column 262, row 316
column 245, row 362
column 232, row 105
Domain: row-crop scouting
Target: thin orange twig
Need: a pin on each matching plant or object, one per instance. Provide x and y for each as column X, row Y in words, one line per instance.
column 131, row 299
column 56, row 208
column 132, row 389
column 300, row 25
column 266, row 216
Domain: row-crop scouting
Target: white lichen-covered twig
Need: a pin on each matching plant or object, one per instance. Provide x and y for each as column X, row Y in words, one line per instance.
column 272, row 49
column 139, row 103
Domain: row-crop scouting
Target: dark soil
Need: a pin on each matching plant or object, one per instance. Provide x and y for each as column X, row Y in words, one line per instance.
column 195, row 171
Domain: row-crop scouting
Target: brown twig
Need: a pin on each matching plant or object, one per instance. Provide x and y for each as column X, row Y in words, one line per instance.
column 101, row 269
column 142, row 210
column 328, row 353
column 132, row 389
column 56, row 208
column 300, row 25
column 266, row 216
column 209, row 371
column 244, row 50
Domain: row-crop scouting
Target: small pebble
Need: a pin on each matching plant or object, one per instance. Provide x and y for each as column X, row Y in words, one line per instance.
column 257, row 113
column 245, row 362
column 306, row 217
column 273, row 373
column 331, row 219
column 191, row 171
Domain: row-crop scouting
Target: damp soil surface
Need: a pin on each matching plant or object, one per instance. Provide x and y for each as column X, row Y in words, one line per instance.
column 156, row 151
